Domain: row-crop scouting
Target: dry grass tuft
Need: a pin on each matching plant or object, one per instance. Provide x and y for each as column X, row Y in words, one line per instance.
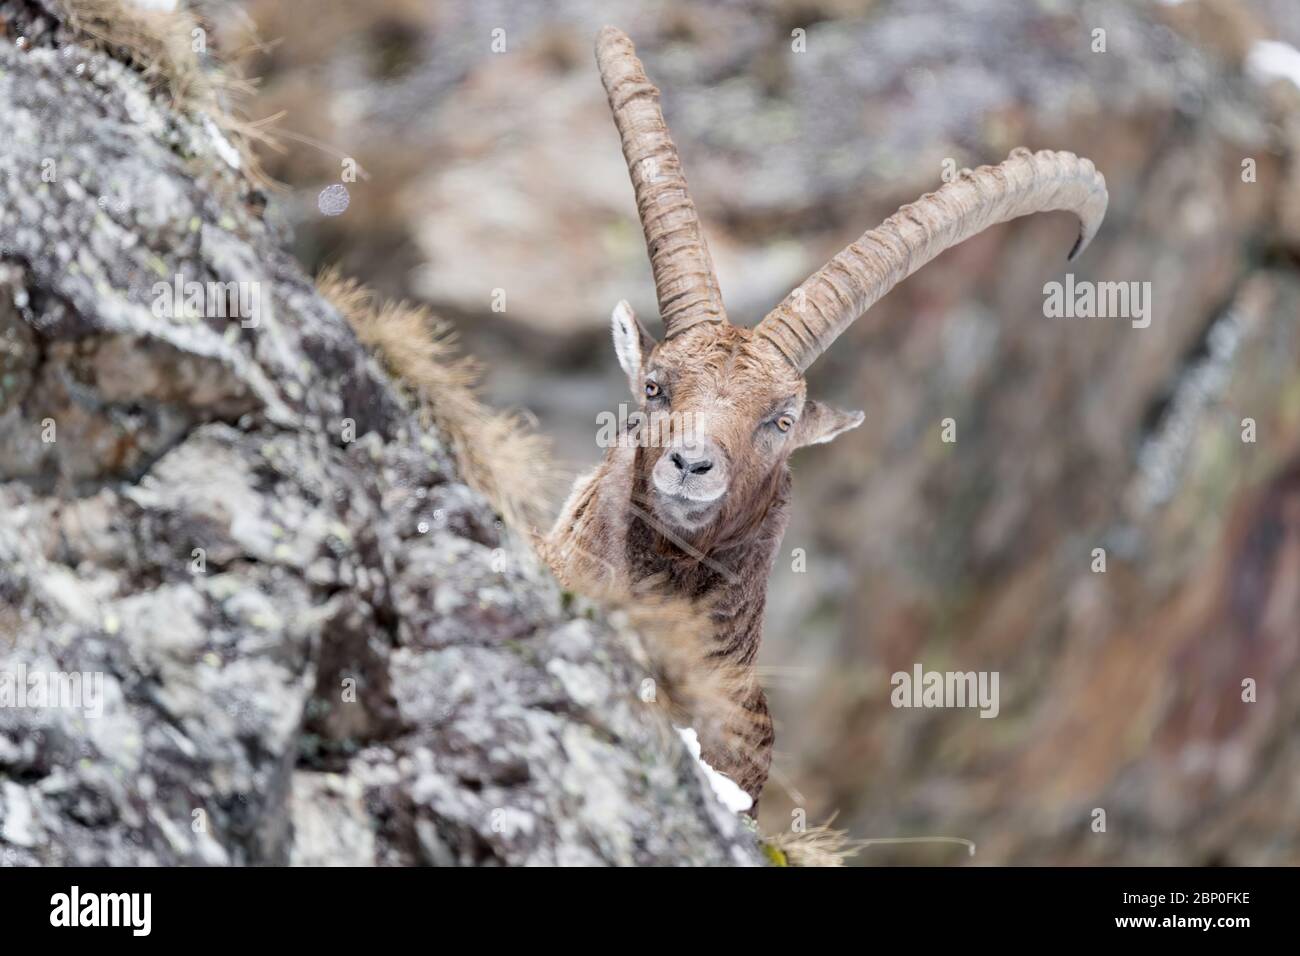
column 819, row 846
column 160, row 44
column 499, row 453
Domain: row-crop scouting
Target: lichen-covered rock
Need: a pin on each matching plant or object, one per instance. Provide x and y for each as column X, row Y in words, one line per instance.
column 297, row 635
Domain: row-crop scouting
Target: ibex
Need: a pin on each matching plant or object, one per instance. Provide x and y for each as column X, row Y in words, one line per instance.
column 705, row 507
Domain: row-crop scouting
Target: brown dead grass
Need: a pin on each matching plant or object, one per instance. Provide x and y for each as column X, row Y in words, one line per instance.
column 499, row 454
column 160, row 45
column 818, row 846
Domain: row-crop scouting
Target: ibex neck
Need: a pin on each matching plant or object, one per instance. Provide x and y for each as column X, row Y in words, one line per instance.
column 731, row 576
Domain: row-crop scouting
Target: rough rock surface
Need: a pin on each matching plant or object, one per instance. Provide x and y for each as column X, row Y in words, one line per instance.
column 312, row 649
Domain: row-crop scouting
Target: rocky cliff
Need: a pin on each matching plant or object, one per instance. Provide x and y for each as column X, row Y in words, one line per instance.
column 297, row 634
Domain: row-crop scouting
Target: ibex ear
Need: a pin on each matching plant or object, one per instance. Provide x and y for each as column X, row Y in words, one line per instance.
column 632, row 343
column 820, row 423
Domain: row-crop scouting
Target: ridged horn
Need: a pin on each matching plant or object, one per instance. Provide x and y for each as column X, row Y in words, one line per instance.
column 684, row 279
column 812, row 317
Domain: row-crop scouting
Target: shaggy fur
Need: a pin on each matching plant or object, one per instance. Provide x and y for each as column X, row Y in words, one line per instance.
column 498, row 453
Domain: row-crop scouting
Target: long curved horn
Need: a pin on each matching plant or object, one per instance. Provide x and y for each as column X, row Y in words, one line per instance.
column 684, row 280
column 813, row 315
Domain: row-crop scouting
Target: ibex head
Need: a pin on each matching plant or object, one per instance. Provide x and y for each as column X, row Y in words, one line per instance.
column 737, row 396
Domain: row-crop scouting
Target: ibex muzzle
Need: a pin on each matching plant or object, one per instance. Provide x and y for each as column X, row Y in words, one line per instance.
column 688, row 488
column 693, row 470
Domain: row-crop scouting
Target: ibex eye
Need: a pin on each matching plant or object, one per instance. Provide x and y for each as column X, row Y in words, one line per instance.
column 785, row 423
column 652, row 389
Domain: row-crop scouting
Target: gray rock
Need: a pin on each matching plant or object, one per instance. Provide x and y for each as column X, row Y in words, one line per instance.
column 282, row 655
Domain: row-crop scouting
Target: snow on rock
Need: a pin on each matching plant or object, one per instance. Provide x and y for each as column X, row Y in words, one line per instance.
column 724, row 788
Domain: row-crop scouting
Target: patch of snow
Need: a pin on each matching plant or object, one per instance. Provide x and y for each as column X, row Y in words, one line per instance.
column 724, row 788
column 1270, row 60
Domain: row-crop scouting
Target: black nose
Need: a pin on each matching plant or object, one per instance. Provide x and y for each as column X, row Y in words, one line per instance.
column 691, row 465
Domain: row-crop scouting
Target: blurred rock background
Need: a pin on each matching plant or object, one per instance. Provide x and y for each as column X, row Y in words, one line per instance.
column 487, row 177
